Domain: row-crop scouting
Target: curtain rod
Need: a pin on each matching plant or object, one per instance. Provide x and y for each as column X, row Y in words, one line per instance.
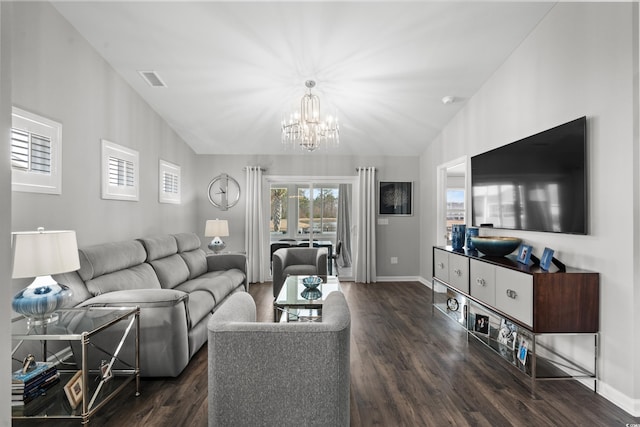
column 259, row 167
column 365, row 168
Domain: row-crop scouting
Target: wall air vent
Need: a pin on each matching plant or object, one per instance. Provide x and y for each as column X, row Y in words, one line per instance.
column 152, row 78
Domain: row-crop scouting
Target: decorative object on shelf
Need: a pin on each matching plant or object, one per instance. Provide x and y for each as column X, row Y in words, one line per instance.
column 524, row 254
column 311, row 282
column 216, row 228
column 395, row 198
column 507, row 334
column 495, row 245
column 522, row 352
column 458, row 232
column 73, row 389
column 223, row 192
column 453, row 304
column 29, row 363
column 305, row 128
column 547, row 258
column 482, row 324
column 472, row 232
column 40, row 254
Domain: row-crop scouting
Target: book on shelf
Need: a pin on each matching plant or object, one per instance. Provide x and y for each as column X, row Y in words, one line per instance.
column 19, row 376
column 26, row 387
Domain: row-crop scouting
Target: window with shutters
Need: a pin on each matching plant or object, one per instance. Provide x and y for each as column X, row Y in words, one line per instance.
column 120, row 172
column 36, row 153
column 169, row 185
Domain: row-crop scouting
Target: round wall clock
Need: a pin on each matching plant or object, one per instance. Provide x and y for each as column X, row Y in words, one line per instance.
column 223, row 192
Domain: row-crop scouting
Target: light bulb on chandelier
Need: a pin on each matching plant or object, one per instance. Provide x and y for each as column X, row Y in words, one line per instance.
column 305, row 128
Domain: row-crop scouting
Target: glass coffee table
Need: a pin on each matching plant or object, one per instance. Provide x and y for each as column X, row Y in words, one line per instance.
column 298, row 303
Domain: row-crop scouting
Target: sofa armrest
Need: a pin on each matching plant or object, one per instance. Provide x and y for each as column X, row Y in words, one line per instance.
column 138, row 297
column 225, row 262
column 164, row 334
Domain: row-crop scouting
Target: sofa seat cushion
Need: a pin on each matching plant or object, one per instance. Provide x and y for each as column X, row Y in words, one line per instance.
column 217, row 283
column 199, row 306
column 299, row 269
column 171, row 270
column 141, row 276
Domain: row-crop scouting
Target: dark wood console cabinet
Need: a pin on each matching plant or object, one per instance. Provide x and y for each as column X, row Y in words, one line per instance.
column 535, row 302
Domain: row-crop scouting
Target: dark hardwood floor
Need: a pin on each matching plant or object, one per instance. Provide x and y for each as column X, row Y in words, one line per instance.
column 409, row 367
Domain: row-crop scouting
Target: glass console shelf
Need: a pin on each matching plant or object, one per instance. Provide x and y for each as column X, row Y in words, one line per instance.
column 102, row 343
column 510, row 309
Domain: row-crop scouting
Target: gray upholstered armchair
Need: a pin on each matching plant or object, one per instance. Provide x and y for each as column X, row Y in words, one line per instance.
column 297, row 261
column 278, row 373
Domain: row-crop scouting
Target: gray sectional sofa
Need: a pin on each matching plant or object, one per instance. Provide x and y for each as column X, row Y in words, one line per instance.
column 174, row 282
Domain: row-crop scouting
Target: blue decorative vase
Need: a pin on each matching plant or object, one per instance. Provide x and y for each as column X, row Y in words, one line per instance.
column 471, row 232
column 458, row 235
column 39, row 302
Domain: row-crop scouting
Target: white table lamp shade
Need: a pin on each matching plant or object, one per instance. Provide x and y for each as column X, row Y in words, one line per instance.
column 216, row 228
column 42, row 253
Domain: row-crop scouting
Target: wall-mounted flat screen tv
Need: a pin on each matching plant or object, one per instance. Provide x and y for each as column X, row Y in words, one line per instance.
column 538, row 183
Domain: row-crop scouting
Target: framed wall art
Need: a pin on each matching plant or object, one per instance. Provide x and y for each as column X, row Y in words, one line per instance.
column 395, row 198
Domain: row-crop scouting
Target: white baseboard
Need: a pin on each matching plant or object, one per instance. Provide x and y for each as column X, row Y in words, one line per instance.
column 398, row 279
column 630, row 405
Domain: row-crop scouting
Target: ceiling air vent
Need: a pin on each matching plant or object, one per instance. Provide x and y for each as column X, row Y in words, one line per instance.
column 152, row 78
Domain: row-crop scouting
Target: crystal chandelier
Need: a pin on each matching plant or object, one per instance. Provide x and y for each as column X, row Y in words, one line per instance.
column 305, row 128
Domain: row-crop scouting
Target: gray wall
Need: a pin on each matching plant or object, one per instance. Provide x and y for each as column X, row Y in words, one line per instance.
column 397, row 239
column 57, row 74
column 582, row 59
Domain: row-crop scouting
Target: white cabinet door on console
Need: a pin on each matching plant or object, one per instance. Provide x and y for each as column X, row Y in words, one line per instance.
column 459, row 272
column 483, row 282
column 441, row 265
column 514, row 294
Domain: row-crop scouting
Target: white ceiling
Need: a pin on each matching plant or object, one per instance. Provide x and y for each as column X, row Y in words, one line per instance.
column 233, row 69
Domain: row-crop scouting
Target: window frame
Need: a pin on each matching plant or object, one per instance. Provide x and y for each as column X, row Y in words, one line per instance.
column 36, row 182
column 120, row 192
column 165, row 167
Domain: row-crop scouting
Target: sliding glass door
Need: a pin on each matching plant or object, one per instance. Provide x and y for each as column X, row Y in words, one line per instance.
column 309, row 210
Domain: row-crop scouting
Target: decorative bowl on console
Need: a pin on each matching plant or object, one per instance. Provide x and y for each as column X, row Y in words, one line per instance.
column 495, row 245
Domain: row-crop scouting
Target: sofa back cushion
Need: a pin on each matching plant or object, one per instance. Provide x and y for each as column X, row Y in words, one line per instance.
column 158, row 247
column 116, row 266
column 171, row 271
column 106, row 258
column 193, row 256
column 162, row 254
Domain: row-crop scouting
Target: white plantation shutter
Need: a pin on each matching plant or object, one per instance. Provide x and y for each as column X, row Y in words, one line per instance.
column 36, row 146
column 120, row 172
column 169, row 185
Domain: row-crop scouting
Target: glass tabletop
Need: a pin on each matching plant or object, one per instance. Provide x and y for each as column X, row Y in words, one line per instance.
column 295, row 293
column 69, row 323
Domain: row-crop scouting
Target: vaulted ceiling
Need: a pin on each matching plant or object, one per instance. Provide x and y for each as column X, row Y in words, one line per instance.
column 233, row 69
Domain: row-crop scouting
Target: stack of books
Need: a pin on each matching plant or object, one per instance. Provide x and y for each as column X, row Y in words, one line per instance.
column 28, row 386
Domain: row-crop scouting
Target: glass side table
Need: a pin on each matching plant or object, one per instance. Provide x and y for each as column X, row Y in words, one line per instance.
column 100, row 344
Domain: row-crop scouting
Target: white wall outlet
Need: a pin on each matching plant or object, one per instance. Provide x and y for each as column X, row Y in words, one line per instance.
column 394, row 260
